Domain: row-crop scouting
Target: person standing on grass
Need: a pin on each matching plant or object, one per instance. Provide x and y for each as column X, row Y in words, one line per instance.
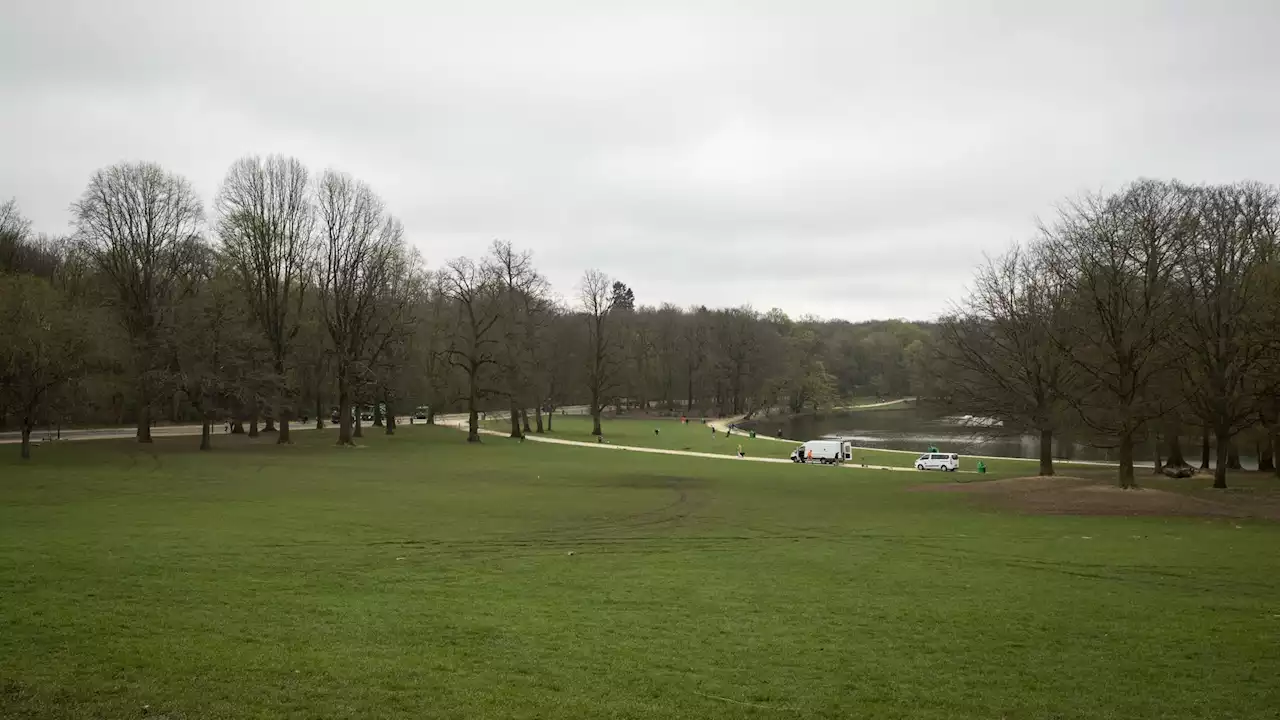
column 740, row 453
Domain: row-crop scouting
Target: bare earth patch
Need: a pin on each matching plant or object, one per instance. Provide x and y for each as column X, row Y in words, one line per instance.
column 1080, row 496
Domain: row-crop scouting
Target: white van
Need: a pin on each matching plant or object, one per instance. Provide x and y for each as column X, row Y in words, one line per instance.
column 823, row 451
column 946, row 462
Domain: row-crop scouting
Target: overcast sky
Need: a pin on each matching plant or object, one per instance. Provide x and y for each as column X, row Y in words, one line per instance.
column 843, row 159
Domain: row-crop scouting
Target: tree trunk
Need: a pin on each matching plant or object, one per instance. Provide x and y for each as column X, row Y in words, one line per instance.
column 1046, row 452
column 1266, row 455
column 26, row 441
column 1204, row 449
column 377, row 414
column 319, row 412
column 1233, row 456
column 269, row 425
column 391, row 420
column 144, row 423
column 537, row 418
column 344, row 410
column 253, row 424
column 524, row 420
column 1176, row 458
column 595, row 412
column 237, row 427
column 357, row 424
column 283, row 412
column 206, row 433
column 431, row 414
column 473, row 401
column 1223, row 451
column 1126, row 461
column 550, row 413
column 515, row 419
column 1156, row 466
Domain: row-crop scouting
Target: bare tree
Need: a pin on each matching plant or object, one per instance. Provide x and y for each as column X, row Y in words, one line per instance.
column 522, row 288
column 1116, row 260
column 1229, row 288
column 360, row 249
column 214, row 346
column 44, row 349
column 478, row 297
column 695, row 343
column 141, row 225
column 738, row 345
column 265, row 220
column 393, row 322
column 431, row 343
column 595, row 298
column 998, row 347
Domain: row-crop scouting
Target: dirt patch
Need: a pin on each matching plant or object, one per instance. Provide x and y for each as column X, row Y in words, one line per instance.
column 1080, row 496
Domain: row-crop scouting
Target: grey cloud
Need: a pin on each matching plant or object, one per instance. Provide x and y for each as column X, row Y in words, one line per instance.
column 845, row 159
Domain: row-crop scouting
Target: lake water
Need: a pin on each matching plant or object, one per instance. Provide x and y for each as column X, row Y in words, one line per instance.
column 916, row 428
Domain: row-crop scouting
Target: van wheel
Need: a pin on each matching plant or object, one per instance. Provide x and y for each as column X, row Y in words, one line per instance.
column 919, row 467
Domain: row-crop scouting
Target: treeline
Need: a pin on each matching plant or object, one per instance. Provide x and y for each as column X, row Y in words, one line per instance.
column 295, row 295
column 1148, row 313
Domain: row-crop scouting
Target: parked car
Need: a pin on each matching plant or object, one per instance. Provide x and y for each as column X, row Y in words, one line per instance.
column 946, row 462
column 420, row 413
column 366, row 414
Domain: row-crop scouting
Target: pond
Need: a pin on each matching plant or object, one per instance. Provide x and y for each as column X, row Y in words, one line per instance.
column 916, row 428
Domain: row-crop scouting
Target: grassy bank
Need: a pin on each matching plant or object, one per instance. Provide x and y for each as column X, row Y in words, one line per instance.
column 422, row 577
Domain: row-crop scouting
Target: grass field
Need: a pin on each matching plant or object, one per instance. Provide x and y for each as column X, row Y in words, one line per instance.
column 673, row 435
column 422, row 577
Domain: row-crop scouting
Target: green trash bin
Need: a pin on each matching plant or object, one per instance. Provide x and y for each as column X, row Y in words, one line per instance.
column 933, row 448
column 753, row 434
column 982, row 469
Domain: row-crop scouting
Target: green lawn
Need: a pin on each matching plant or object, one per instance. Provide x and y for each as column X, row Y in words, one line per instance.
column 422, row 577
column 673, row 435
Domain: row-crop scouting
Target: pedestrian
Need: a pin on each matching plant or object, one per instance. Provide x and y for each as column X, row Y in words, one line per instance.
column 740, row 453
column 779, row 433
column 655, row 431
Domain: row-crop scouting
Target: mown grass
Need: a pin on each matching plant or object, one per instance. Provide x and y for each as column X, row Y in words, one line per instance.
column 422, row 577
